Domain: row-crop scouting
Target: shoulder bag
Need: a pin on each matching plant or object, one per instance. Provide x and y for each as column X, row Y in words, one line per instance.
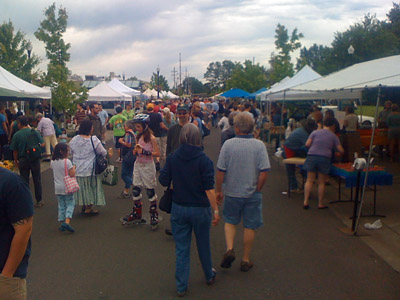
column 165, row 203
column 100, row 162
column 71, row 185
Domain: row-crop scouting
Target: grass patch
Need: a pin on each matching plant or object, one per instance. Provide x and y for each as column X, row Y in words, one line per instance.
column 368, row 110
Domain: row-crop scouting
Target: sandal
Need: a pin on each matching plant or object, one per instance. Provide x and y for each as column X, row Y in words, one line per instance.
column 91, row 213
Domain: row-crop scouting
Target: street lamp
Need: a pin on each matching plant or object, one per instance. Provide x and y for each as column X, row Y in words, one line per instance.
column 350, row 51
column 158, row 82
column 29, row 49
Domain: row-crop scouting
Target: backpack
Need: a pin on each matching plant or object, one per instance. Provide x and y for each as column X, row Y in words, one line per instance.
column 33, row 148
column 206, row 131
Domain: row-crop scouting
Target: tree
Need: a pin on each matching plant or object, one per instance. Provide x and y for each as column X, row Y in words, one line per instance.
column 65, row 94
column 394, row 20
column 281, row 65
column 248, row 77
column 370, row 38
column 318, row 57
column 218, row 73
column 14, row 53
column 193, row 86
column 161, row 85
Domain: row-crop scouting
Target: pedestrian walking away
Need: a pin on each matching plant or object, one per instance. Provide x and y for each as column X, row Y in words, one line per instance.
column 191, row 173
column 26, row 144
column 128, row 143
column 242, row 167
column 61, row 166
column 91, row 191
column 46, row 128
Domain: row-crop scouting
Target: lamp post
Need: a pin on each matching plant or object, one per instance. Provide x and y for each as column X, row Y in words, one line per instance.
column 350, row 51
column 158, row 83
column 29, row 49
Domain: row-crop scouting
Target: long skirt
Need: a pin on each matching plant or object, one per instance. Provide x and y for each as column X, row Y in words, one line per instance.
column 91, row 191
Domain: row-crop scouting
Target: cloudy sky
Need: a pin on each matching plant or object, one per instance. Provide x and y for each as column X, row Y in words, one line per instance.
column 133, row 37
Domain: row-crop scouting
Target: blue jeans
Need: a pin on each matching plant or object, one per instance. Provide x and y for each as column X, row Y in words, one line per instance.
column 184, row 220
column 66, row 205
column 127, row 173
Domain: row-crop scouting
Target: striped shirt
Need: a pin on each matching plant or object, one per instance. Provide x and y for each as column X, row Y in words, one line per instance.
column 79, row 116
column 242, row 159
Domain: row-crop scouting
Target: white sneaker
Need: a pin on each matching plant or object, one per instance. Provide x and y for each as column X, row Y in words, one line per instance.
column 376, row 225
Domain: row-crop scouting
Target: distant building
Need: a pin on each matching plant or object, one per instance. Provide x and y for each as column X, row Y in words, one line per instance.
column 91, row 81
column 75, row 78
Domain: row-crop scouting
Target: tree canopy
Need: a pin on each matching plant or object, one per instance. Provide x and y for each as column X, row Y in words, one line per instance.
column 248, row 77
column 14, row 53
column 161, row 85
column 218, row 73
column 64, row 93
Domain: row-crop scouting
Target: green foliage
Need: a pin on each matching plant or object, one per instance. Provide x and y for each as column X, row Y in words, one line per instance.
column 159, row 84
column 192, row 85
column 51, row 31
column 281, row 65
column 318, row 57
column 394, row 20
column 370, row 38
column 65, row 94
column 218, row 73
column 248, row 77
column 14, row 54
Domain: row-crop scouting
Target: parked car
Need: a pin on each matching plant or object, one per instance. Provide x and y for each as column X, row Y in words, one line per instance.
column 364, row 121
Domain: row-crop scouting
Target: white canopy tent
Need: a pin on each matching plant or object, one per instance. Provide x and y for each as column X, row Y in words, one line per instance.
column 348, row 83
column 151, row 93
column 103, row 92
column 306, row 74
column 122, row 88
column 169, row 95
column 13, row 86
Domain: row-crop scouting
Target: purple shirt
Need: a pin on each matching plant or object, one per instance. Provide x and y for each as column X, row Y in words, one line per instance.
column 323, row 143
column 46, row 127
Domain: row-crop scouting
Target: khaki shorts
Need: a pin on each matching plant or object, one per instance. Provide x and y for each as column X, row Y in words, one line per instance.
column 144, row 174
column 12, row 288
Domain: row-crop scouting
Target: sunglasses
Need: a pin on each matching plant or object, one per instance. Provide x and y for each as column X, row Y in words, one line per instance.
column 181, row 113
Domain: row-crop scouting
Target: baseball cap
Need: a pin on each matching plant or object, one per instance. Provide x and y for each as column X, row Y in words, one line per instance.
column 150, row 105
column 182, row 106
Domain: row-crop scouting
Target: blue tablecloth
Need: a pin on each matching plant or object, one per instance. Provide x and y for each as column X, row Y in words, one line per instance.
column 374, row 177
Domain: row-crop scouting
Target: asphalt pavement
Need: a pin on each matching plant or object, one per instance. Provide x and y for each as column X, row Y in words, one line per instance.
column 298, row 254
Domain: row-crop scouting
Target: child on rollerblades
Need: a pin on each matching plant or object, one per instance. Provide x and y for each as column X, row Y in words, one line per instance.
column 144, row 173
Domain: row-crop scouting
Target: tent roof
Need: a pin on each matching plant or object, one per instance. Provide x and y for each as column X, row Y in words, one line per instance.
column 122, row 88
column 349, row 83
column 235, row 93
column 151, row 93
column 253, row 95
column 13, row 86
column 306, row 74
column 103, row 92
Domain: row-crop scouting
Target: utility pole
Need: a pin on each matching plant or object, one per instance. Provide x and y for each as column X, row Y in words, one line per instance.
column 186, row 81
column 180, row 72
column 174, row 73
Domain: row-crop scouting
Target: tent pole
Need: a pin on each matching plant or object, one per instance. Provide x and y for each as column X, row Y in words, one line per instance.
column 371, row 143
column 283, row 105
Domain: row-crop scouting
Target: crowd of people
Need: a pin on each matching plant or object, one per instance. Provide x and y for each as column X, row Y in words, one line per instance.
column 162, row 141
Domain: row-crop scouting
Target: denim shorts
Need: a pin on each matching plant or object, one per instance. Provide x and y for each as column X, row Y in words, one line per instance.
column 316, row 163
column 249, row 208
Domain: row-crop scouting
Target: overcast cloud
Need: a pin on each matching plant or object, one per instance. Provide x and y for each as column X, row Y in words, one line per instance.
column 134, row 37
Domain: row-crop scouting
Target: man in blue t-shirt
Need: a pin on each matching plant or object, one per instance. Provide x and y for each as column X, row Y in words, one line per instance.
column 16, row 217
column 3, row 130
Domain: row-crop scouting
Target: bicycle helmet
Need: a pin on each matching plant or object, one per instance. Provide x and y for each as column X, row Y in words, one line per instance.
column 141, row 118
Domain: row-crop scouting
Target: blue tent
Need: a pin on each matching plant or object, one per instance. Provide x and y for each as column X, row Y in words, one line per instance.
column 253, row 95
column 235, row 93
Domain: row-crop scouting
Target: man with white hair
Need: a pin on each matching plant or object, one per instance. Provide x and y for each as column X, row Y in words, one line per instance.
column 46, row 128
column 242, row 167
